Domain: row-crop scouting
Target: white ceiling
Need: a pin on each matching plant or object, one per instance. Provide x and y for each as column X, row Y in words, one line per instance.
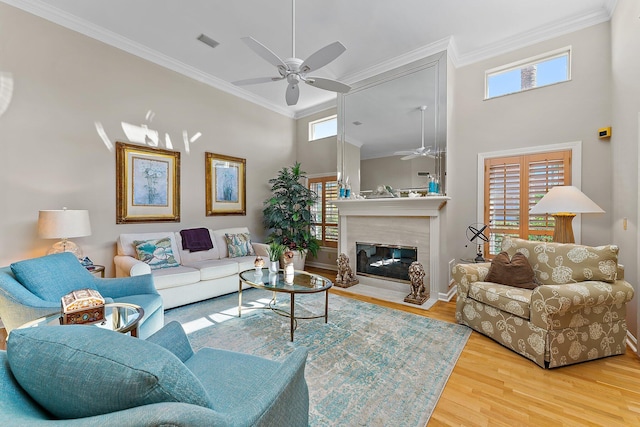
column 378, row 34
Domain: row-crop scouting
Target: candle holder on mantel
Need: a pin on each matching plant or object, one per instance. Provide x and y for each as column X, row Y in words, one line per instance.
column 418, row 293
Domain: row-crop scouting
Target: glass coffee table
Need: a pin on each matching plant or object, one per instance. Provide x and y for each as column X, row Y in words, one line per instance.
column 303, row 283
column 120, row 317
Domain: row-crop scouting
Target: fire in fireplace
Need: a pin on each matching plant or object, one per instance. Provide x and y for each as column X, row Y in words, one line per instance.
column 390, row 262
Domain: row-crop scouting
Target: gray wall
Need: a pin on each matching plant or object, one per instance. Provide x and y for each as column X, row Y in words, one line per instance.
column 52, row 155
column 625, row 62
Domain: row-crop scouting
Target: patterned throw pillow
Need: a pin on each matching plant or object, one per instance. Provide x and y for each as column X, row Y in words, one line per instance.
column 156, row 253
column 239, row 245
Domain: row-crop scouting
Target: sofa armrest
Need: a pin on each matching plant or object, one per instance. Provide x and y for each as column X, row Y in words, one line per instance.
column 261, row 249
column 126, row 286
column 549, row 301
column 129, row 266
column 465, row 274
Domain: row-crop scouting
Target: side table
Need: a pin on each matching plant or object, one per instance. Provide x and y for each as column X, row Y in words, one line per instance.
column 95, row 269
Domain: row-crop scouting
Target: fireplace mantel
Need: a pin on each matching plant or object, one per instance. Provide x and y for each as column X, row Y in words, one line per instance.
column 403, row 221
column 396, row 206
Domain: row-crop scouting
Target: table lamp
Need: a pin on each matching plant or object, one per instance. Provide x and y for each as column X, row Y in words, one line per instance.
column 563, row 203
column 64, row 224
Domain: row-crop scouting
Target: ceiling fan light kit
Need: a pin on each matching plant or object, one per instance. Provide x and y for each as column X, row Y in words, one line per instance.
column 295, row 70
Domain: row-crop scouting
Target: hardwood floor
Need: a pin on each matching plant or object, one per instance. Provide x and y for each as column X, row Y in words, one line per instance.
column 493, row 386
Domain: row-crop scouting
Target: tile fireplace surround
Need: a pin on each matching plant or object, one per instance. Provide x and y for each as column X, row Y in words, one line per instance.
column 394, row 221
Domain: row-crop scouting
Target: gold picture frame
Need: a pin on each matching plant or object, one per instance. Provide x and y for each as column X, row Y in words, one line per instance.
column 225, row 185
column 147, row 184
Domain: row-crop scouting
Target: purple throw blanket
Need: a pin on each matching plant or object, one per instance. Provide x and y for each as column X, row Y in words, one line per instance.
column 196, row 239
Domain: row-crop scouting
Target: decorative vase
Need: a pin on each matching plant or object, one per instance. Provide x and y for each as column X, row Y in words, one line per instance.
column 289, row 272
column 274, row 266
column 299, row 258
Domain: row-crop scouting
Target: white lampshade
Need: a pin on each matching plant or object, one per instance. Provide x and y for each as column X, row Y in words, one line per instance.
column 64, row 224
column 565, row 199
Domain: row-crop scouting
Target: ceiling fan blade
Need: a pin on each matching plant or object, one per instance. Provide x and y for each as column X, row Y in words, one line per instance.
column 264, row 52
column 256, row 80
column 328, row 84
column 403, row 153
column 293, row 93
column 322, row 57
column 410, row 156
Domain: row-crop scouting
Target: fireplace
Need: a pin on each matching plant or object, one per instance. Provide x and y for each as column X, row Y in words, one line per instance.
column 390, row 262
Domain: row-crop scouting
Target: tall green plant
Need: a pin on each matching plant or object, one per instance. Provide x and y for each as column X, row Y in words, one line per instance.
column 287, row 212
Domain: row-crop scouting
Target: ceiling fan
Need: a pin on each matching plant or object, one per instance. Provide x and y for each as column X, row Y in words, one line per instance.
column 420, row 151
column 295, row 70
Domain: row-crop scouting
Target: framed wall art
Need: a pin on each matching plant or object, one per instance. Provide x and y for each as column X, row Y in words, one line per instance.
column 147, row 184
column 225, row 185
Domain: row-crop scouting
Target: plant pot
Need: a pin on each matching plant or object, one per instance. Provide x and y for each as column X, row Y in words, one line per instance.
column 274, row 266
column 299, row 258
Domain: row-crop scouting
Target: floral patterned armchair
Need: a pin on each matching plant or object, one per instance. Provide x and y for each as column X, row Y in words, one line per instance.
column 577, row 313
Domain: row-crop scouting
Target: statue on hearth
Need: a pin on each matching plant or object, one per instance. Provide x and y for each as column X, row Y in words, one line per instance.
column 345, row 277
column 418, row 293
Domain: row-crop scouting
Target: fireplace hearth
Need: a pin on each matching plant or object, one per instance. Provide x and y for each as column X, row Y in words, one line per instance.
column 390, row 262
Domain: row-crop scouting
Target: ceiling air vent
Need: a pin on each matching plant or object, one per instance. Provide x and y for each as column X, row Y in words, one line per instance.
column 208, row 40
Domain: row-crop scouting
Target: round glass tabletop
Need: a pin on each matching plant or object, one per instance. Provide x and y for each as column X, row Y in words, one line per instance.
column 302, row 282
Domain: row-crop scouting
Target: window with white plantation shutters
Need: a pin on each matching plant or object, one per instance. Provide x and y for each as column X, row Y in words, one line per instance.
column 324, row 213
column 512, row 186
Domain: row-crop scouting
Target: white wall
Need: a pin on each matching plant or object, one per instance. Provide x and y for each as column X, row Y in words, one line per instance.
column 52, row 156
column 625, row 62
column 394, row 172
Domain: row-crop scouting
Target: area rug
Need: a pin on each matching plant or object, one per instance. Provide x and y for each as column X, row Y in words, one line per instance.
column 368, row 366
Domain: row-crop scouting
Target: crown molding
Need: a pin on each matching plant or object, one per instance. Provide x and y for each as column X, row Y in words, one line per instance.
column 332, row 103
column 546, row 32
column 81, row 26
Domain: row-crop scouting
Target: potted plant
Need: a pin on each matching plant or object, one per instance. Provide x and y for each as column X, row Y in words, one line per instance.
column 287, row 213
column 275, row 251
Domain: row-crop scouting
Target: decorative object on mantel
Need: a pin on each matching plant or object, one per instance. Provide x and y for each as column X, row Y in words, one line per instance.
column 418, row 293
column 289, row 270
column 382, row 192
column 478, row 235
column 345, row 277
column 82, row 306
column 64, row 224
column 287, row 213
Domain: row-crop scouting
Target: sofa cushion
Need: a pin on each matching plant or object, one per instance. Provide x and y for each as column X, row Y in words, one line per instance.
column 239, row 245
column 512, row 271
column 53, row 276
column 220, row 239
column 562, row 263
column 156, row 253
column 176, row 276
column 215, row 268
column 125, row 244
column 81, row 371
column 187, row 257
column 513, row 300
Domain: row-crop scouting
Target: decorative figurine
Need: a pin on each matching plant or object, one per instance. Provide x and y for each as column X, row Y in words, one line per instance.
column 258, row 264
column 345, row 277
column 288, row 266
column 418, row 293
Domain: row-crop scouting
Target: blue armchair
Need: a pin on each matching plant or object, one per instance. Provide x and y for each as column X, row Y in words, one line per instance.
column 32, row 288
column 82, row 375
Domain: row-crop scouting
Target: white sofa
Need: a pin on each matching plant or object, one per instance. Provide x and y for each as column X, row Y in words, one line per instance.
column 200, row 275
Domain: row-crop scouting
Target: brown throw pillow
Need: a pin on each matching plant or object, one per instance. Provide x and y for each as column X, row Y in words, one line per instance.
column 515, row 272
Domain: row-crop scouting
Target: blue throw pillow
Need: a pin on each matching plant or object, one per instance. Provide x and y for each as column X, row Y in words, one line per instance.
column 53, row 276
column 77, row 371
column 157, row 253
column 239, row 245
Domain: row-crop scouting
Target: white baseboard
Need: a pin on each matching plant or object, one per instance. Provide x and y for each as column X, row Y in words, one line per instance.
column 449, row 295
column 332, row 267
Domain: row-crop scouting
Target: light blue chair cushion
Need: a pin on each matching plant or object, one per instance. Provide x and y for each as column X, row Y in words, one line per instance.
column 63, row 369
column 53, row 276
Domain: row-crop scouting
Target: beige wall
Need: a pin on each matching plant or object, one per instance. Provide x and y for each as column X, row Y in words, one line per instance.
column 52, row 156
column 394, row 172
column 625, row 62
column 566, row 112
